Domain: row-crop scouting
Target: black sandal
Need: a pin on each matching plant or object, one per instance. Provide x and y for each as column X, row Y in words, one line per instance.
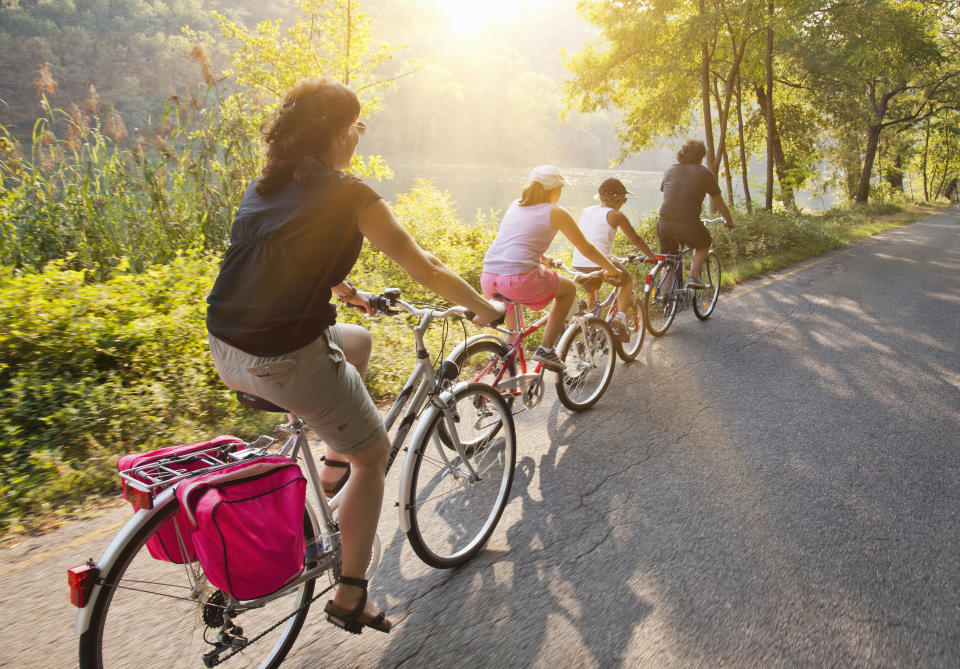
column 331, row 492
column 350, row 620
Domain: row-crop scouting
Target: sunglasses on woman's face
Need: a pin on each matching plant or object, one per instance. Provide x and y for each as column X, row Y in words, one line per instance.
column 361, row 127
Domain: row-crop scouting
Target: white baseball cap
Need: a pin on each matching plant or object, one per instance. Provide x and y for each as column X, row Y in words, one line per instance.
column 547, row 176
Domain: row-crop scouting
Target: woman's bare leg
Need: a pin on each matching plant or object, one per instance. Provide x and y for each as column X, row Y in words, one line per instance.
column 625, row 296
column 359, row 515
column 566, row 293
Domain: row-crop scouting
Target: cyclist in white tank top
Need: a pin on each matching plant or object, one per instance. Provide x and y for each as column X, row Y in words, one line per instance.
column 513, row 267
column 595, row 227
column 599, row 224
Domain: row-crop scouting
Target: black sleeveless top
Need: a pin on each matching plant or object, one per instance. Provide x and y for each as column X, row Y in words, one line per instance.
column 272, row 295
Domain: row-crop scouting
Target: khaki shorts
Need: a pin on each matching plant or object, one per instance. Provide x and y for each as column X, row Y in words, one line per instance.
column 315, row 382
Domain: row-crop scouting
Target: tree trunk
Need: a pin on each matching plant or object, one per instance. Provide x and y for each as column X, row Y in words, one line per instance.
column 743, row 153
column 768, row 195
column 705, row 97
column 726, row 173
column 779, row 161
column 873, row 140
column 894, row 175
column 926, row 149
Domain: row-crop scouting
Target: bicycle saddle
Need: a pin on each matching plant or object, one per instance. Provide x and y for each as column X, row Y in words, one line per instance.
column 253, row 402
column 591, row 282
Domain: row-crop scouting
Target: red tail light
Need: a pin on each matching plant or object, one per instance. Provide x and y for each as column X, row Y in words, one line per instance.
column 647, row 280
column 140, row 498
column 81, row 581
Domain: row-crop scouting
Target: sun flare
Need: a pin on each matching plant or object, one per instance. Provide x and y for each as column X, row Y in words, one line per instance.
column 466, row 17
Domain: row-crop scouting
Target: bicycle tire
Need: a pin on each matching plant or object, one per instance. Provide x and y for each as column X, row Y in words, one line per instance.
column 705, row 299
column 480, row 362
column 580, row 353
column 659, row 305
column 453, row 515
column 133, row 627
column 636, row 328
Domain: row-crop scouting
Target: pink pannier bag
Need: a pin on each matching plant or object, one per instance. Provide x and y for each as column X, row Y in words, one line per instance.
column 163, row 545
column 247, row 523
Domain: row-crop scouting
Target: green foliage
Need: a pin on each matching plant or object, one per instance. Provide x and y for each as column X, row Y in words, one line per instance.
column 89, row 371
column 89, row 200
column 330, row 38
column 430, row 216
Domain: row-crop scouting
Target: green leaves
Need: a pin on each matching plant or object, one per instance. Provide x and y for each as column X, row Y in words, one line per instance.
column 90, row 371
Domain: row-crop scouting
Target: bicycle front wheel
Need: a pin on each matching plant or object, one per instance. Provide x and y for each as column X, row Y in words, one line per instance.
column 153, row 612
column 636, row 330
column 660, row 304
column 456, row 496
column 705, row 299
column 588, row 353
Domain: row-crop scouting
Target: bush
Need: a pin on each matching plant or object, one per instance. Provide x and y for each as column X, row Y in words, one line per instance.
column 91, row 371
column 431, row 218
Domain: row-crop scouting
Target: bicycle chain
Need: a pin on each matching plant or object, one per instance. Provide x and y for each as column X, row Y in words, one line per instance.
column 221, row 660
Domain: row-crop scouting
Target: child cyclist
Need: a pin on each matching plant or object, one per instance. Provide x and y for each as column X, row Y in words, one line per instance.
column 599, row 224
column 513, row 265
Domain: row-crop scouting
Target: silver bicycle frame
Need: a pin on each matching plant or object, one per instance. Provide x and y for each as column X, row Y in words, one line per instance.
column 420, row 385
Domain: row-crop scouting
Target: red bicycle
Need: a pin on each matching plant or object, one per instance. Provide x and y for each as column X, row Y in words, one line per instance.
column 587, row 348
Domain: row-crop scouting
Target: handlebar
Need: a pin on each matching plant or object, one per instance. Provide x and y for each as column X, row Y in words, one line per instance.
column 384, row 302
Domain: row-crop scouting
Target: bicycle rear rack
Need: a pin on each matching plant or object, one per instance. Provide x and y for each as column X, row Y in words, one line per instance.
column 156, row 475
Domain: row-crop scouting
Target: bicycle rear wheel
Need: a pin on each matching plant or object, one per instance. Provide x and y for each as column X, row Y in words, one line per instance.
column 660, row 304
column 636, row 328
column 589, row 354
column 483, row 360
column 153, row 612
column 705, row 299
column 453, row 511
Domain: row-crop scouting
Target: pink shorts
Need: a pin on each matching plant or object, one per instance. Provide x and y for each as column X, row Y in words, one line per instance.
column 534, row 289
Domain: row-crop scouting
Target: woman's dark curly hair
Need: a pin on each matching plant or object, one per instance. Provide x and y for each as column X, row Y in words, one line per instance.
column 313, row 112
column 692, row 151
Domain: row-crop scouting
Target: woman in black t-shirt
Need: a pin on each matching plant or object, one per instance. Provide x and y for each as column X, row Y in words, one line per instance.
column 684, row 186
column 273, row 332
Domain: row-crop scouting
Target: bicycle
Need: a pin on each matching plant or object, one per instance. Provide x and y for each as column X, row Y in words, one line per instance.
column 635, row 315
column 454, row 485
column 664, row 296
column 586, row 347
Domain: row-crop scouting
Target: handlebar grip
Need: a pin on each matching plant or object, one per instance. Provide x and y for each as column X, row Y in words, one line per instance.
column 469, row 315
column 380, row 303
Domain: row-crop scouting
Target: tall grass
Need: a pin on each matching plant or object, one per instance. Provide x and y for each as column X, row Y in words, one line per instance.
column 94, row 200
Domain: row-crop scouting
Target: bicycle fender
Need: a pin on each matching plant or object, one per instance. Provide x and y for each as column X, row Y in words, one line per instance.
column 572, row 329
column 109, row 556
column 484, row 336
column 417, row 442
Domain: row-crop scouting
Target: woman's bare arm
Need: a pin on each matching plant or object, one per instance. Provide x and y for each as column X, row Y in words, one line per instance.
column 378, row 224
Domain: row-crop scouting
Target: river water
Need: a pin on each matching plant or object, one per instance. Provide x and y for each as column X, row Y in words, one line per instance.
column 480, row 187
column 485, row 187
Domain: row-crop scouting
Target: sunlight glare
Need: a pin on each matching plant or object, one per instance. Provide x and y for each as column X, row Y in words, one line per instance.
column 467, row 17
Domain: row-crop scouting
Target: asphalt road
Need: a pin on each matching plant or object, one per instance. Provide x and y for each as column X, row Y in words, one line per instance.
column 776, row 486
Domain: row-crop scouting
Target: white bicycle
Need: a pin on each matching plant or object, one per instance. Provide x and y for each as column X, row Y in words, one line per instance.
column 456, row 478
